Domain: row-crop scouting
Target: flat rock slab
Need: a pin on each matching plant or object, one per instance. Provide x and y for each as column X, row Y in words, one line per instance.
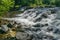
column 22, row 36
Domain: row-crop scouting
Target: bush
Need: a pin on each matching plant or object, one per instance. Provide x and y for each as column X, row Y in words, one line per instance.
column 5, row 5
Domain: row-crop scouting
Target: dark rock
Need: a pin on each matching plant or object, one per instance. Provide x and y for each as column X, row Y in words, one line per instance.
column 38, row 19
column 35, row 29
column 37, row 25
column 44, row 15
column 44, row 37
column 57, row 31
column 46, row 24
column 2, row 32
column 49, row 29
column 53, row 11
column 10, row 25
column 37, row 13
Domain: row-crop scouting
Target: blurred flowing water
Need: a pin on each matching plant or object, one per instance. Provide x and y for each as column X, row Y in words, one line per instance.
column 39, row 23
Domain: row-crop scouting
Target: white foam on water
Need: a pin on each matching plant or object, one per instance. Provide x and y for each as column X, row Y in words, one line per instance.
column 32, row 17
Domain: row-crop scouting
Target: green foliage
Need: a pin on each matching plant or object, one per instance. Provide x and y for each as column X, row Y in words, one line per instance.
column 6, row 4
column 57, row 2
column 52, row 2
column 46, row 2
column 33, row 3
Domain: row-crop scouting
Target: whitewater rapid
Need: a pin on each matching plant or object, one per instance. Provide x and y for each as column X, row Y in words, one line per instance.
column 40, row 22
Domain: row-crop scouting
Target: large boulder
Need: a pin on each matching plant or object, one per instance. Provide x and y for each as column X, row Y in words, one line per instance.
column 22, row 36
column 4, row 28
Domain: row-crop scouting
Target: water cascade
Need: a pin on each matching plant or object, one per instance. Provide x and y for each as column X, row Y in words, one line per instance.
column 38, row 24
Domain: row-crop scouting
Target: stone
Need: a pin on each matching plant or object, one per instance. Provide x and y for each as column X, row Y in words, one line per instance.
column 10, row 25
column 49, row 29
column 44, row 15
column 22, row 36
column 37, row 25
column 4, row 28
column 46, row 24
column 53, row 11
column 57, row 31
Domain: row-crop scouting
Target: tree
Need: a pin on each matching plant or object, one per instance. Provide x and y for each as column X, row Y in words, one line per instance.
column 57, row 3
column 46, row 2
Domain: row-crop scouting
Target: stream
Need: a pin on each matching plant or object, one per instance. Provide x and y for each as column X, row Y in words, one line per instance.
column 38, row 24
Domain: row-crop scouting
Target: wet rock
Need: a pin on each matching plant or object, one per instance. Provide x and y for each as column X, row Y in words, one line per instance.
column 38, row 25
column 53, row 11
column 35, row 29
column 46, row 24
column 38, row 19
column 10, row 25
column 57, row 31
column 37, row 13
column 4, row 28
column 44, row 15
column 22, row 36
column 49, row 29
column 2, row 32
column 45, row 37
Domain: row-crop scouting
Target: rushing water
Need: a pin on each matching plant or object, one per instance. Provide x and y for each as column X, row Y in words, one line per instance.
column 41, row 23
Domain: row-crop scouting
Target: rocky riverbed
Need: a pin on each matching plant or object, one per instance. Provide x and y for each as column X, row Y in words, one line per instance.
column 33, row 24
